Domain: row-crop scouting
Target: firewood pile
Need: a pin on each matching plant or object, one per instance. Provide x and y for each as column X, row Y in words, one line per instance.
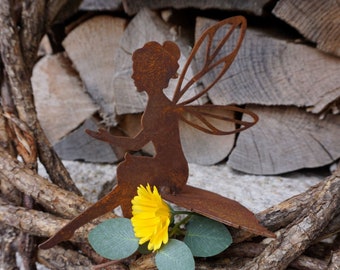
column 66, row 67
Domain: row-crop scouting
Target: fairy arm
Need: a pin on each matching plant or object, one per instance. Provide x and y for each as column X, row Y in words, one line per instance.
column 133, row 144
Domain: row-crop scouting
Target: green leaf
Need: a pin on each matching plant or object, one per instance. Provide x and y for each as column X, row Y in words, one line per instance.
column 114, row 239
column 206, row 237
column 174, row 255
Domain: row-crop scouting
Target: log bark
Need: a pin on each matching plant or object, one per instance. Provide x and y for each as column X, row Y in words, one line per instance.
column 19, row 71
column 281, row 215
column 58, row 258
column 56, row 200
column 6, row 188
column 18, row 58
column 59, row 11
column 335, row 260
column 27, row 220
column 235, row 262
column 42, row 224
column 53, row 198
column 304, row 230
column 7, row 247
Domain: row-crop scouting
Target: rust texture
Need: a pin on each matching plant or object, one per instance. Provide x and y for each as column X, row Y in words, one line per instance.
column 153, row 66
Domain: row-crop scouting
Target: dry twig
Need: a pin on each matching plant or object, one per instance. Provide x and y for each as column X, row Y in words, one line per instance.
column 19, row 71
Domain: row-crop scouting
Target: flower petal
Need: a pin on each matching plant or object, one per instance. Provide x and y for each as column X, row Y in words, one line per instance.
column 151, row 217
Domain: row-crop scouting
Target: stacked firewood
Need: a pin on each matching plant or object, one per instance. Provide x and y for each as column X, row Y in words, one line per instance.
column 291, row 85
column 67, row 67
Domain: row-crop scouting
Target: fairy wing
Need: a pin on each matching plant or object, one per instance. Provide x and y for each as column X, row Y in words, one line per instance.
column 218, row 208
column 219, row 44
column 212, row 119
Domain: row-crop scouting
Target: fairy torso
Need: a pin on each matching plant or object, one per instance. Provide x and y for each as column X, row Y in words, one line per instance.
column 160, row 122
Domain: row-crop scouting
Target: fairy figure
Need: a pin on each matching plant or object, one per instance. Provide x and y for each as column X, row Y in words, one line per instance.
column 153, row 66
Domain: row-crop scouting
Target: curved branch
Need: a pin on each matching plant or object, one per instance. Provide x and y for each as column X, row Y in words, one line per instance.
column 52, row 197
column 309, row 225
column 19, row 73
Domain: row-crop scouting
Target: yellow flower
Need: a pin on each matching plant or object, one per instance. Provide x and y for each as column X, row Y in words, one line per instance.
column 151, row 217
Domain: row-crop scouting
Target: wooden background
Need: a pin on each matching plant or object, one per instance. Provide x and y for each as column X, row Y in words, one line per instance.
column 287, row 71
column 66, row 67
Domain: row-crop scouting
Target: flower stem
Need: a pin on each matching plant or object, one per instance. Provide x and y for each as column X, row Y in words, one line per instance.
column 176, row 229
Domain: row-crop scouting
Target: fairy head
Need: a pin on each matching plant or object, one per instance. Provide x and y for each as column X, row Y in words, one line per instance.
column 154, row 65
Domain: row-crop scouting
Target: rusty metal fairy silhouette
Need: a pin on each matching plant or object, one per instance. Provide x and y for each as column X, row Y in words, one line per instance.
column 153, row 66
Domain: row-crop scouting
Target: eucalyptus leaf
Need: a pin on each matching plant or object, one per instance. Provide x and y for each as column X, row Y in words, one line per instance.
column 175, row 255
column 114, row 239
column 206, row 237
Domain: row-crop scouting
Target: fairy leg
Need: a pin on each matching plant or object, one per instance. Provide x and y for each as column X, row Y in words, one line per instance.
column 104, row 205
column 130, row 175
